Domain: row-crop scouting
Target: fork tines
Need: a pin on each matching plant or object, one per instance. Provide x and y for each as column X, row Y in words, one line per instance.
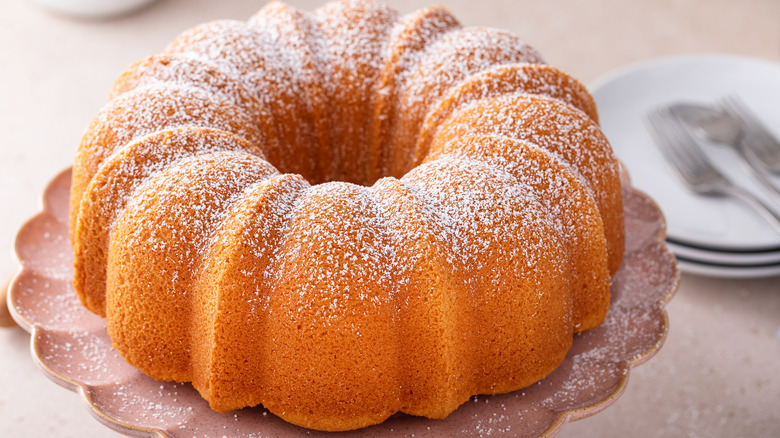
column 759, row 140
column 680, row 149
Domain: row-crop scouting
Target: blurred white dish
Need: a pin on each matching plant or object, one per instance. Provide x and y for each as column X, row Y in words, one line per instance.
column 726, row 271
column 94, row 8
column 623, row 99
column 732, row 258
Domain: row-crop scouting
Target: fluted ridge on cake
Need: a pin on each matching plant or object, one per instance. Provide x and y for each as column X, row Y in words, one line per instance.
column 271, row 73
column 169, row 220
column 537, row 79
column 241, row 266
column 448, row 61
column 571, row 206
column 297, row 32
column 147, row 110
column 112, row 186
column 560, row 130
column 410, row 36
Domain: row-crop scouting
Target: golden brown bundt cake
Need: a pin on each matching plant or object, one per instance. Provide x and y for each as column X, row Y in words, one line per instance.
column 346, row 213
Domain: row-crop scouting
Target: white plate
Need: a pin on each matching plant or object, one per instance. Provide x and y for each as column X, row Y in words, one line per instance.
column 623, row 99
column 94, row 8
column 724, row 271
column 735, row 259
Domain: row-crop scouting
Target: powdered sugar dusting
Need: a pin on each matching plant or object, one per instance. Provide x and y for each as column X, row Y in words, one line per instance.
column 446, row 63
column 81, row 355
column 472, row 221
column 408, row 40
column 147, row 156
column 567, row 203
column 149, row 109
column 154, row 107
column 181, row 70
column 189, row 205
column 116, row 182
column 345, row 257
column 271, row 72
column 460, row 54
column 548, row 124
column 526, row 78
column 257, row 221
column 355, row 34
column 555, row 127
column 297, row 33
column 159, row 407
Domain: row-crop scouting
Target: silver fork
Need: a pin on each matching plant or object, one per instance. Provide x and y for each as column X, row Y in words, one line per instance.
column 721, row 126
column 695, row 170
column 756, row 137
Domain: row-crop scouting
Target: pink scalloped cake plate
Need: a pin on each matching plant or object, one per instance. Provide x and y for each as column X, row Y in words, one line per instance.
column 72, row 347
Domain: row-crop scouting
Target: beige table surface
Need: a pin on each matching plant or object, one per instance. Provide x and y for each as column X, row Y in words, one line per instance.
column 718, row 374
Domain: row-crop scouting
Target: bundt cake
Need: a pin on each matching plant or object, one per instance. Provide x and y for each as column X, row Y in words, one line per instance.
column 345, row 214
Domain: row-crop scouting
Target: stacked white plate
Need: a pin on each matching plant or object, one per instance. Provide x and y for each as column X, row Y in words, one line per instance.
column 710, row 236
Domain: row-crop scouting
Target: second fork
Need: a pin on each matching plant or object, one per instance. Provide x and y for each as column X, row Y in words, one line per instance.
column 695, row 170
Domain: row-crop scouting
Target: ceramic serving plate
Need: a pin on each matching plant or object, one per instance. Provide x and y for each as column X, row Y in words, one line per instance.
column 71, row 346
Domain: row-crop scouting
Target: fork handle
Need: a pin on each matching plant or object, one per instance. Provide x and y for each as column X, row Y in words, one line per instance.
column 752, row 166
column 772, row 217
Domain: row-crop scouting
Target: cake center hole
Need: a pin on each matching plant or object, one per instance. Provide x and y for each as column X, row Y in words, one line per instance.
column 357, row 162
